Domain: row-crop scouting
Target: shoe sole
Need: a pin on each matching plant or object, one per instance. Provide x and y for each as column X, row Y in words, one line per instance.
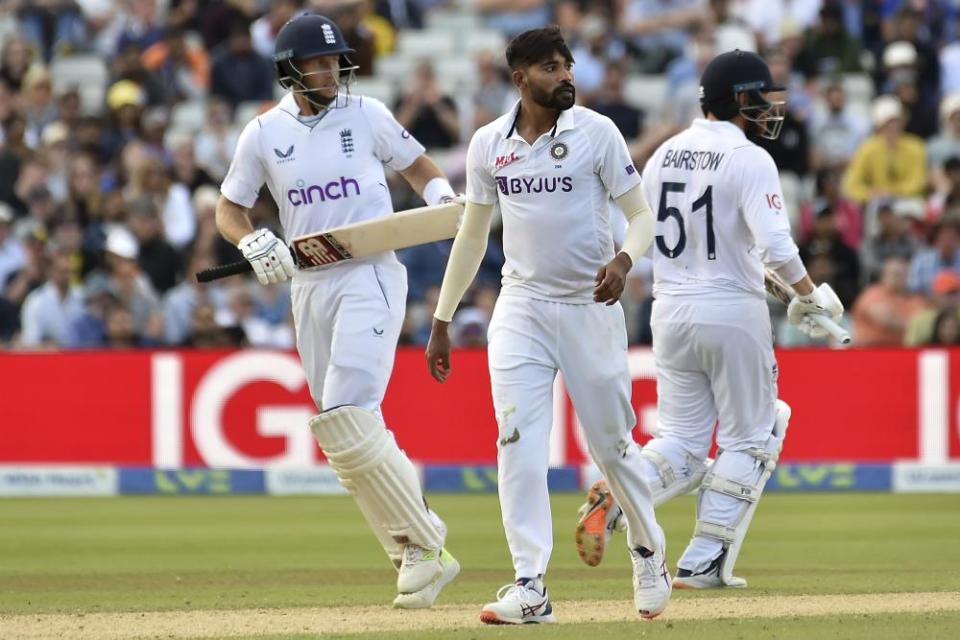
column 591, row 534
column 687, row 583
column 490, row 617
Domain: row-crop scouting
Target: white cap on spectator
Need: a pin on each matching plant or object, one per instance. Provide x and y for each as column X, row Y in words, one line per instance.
column 206, row 196
column 6, row 213
column 885, row 109
column 949, row 106
column 122, row 243
column 909, row 208
column 899, row 54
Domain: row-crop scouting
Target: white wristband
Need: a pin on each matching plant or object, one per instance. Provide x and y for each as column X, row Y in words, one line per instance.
column 436, row 190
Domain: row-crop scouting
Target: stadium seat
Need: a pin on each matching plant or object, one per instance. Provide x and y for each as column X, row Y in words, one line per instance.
column 395, row 68
column 452, row 21
column 485, row 40
column 647, row 92
column 383, row 89
column 189, row 116
column 426, row 44
column 88, row 73
column 246, row 111
column 456, row 74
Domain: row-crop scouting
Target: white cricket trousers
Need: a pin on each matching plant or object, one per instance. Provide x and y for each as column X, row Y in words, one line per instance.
column 715, row 367
column 348, row 320
column 530, row 340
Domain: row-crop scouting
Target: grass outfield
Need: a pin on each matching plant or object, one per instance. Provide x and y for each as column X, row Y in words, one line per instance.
column 246, row 553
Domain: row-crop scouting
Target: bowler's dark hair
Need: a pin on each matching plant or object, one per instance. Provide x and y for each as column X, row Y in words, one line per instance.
column 536, row 45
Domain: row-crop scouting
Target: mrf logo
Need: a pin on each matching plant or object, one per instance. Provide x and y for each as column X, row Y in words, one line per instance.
column 303, row 194
column 503, row 161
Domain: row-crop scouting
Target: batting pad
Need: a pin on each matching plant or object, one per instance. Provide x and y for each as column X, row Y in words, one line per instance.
column 379, row 475
column 670, row 483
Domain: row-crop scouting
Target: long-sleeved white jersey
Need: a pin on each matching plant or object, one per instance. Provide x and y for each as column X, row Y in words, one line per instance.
column 720, row 213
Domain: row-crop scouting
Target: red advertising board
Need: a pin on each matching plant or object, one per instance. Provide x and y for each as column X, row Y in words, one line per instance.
column 249, row 408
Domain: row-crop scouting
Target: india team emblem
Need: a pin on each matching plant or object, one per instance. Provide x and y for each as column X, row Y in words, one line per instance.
column 559, row 151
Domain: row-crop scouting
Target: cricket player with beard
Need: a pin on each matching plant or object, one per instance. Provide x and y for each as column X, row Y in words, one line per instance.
column 553, row 168
column 721, row 219
column 321, row 153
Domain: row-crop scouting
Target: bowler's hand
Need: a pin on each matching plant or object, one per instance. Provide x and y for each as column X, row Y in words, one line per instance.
column 438, row 351
column 611, row 279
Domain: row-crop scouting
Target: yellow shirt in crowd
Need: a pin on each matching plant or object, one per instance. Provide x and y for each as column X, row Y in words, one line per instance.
column 877, row 168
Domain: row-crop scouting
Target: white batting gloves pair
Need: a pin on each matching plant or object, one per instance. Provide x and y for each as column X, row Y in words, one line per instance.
column 270, row 258
column 822, row 301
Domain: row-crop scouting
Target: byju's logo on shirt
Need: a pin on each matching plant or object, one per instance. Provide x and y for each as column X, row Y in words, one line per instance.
column 516, row 186
column 284, row 156
column 303, row 194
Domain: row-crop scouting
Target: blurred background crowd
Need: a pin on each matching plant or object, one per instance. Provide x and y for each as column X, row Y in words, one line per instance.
column 118, row 120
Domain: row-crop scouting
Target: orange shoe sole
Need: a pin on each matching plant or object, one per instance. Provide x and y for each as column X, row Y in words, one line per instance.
column 591, row 534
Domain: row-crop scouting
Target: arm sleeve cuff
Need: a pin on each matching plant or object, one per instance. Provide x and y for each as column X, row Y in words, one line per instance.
column 437, row 189
column 640, row 222
column 792, row 271
column 466, row 255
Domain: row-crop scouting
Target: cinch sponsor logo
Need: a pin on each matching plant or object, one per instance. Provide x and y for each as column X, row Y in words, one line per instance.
column 335, row 190
column 513, row 186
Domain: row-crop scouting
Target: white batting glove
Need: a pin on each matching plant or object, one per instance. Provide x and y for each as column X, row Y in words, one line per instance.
column 270, row 258
column 822, row 301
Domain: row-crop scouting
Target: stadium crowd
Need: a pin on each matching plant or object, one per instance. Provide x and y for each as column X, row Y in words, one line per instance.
column 108, row 182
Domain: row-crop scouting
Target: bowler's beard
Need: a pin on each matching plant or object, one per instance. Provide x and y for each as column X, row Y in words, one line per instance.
column 560, row 98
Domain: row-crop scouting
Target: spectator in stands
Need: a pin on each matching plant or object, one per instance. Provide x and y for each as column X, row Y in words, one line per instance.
column 242, row 312
column 889, row 163
column 157, row 258
column 469, row 328
column 947, row 196
column 512, row 17
column 402, row 14
column 591, row 49
column 909, row 27
column 426, row 263
column 180, row 301
column 18, row 56
column 828, row 48
column 184, row 165
column 494, row 91
column 658, row 29
column 38, row 103
column 944, row 253
column 217, row 139
column 730, row 31
column 883, row 310
column 825, row 240
column 69, row 109
column 893, row 238
column 125, row 100
column 152, row 181
column 12, row 254
column 920, row 111
column 849, row 220
column 945, row 144
column 88, row 329
column 153, row 130
column 945, row 295
column 54, row 26
column 33, row 274
column 182, row 68
column 835, row 132
column 84, row 198
column 263, row 31
column 126, row 280
column 946, row 329
column 240, row 74
column 950, row 65
column 768, row 17
column 54, row 150
column 128, row 65
column 426, row 112
column 610, row 101
column 121, row 329
column 142, row 26
column 66, row 238
column 46, row 313
column 205, row 333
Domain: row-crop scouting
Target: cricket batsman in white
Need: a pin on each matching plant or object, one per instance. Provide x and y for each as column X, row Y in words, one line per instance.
column 721, row 219
column 553, row 168
column 321, row 152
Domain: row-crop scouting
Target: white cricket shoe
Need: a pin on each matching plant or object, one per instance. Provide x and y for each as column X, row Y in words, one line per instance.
column 651, row 583
column 523, row 602
column 425, row 597
column 418, row 568
column 597, row 519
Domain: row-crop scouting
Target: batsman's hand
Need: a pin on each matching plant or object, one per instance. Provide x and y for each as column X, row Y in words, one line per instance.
column 438, row 351
column 822, row 301
column 270, row 258
column 611, row 279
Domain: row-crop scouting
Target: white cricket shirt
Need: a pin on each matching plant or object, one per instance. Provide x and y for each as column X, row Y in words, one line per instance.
column 554, row 198
column 322, row 175
column 720, row 213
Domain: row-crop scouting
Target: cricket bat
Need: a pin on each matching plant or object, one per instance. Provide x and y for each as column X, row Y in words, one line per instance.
column 360, row 239
column 783, row 292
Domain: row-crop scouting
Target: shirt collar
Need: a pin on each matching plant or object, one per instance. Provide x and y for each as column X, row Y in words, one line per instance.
column 719, row 125
column 509, row 129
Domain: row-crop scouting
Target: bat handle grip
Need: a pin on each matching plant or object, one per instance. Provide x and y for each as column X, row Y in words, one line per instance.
column 223, row 271
column 834, row 329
